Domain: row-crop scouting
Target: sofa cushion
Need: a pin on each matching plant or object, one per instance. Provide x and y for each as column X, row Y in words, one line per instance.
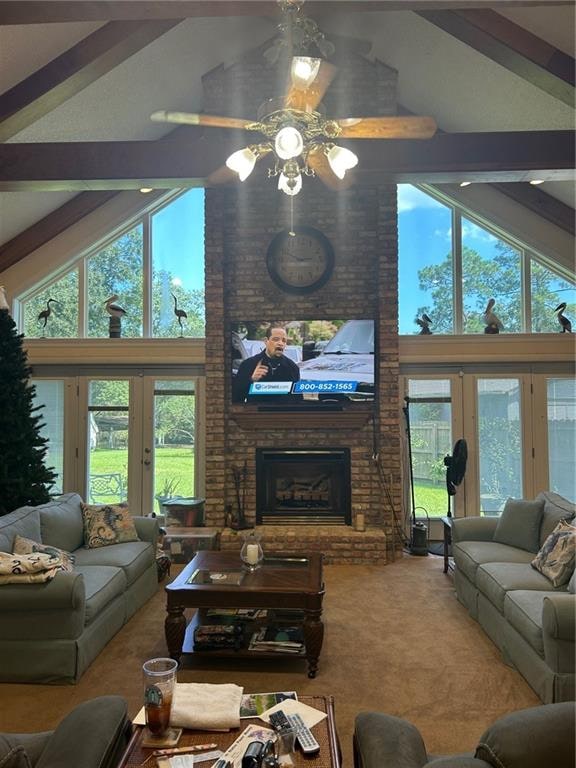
column 468, row 555
column 24, row 546
column 556, row 508
column 24, row 521
column 61, row 522
column 102, row 584
column 523, row 610
column 134, row 558
column 106, row 524
column 494, row 580
column 519, row 524
column 572, row 583
column 556, row 558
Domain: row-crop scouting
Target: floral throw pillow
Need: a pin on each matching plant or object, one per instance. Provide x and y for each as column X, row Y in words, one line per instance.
column 23, row 546
column 107, row 524
column 555, row 560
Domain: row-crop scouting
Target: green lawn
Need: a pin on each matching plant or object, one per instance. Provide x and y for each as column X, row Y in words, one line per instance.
column 173, row 466
column 433, row 498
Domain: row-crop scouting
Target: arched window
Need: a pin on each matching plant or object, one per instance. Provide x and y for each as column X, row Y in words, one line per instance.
column 154, row 268
column 451, row 264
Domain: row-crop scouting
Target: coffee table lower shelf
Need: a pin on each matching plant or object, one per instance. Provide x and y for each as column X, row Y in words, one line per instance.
column 330, row 755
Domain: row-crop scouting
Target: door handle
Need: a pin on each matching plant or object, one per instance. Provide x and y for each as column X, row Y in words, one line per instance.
column 147, row 462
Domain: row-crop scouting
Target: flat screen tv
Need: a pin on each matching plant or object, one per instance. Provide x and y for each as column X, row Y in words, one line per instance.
column 303, row 362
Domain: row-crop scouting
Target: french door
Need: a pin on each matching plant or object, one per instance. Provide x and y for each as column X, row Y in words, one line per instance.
column 124, row 438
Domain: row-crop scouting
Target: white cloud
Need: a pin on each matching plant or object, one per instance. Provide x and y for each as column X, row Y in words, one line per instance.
column 410, row 198
column 444, row 234
column 474, row 232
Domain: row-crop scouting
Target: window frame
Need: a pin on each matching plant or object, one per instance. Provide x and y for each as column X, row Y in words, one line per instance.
column 527, row 255
column 80, row 259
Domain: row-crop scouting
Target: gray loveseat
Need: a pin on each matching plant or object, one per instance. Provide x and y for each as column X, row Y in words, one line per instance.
column 531, row 621
column 51, row 632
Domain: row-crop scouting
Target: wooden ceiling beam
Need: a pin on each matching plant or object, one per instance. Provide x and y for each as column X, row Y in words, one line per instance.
column 73, row 70
column 183, row 161
column 511, row 46
column 58, row 11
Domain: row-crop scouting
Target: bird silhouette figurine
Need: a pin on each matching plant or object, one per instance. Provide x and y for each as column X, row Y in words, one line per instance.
column 3, row 300
column 565, row 324
column 424, row 322
column 180, row 314
column 45, row 314
column 493, row 322
column 114, row 309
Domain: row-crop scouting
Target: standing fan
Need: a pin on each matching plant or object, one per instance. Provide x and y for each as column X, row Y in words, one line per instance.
column 455, row 468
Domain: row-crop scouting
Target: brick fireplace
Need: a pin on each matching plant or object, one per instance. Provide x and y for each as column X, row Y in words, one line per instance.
column 241, row 220
column 300, row 486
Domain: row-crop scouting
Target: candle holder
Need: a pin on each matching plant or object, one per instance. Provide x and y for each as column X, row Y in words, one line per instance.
column 251, row 553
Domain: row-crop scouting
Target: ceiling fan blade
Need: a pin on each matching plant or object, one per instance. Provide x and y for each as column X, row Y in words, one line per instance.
column 318, row 161
column 387, row 127
column 305, row 93
column 192, row 118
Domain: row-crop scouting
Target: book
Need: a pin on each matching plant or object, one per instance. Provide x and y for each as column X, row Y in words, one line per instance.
column 284, row 640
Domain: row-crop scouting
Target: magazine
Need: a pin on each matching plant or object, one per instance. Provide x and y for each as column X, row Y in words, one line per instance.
column 253, row 704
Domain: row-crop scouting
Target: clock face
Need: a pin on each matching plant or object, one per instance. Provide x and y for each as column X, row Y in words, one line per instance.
column 301, row 262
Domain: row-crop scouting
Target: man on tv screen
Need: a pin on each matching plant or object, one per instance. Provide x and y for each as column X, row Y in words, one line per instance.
column 268, row 373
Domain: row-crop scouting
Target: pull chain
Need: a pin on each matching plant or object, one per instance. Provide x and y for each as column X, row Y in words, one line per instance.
column 291, row 232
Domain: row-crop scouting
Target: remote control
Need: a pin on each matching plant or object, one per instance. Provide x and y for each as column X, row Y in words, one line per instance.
column 308, row 743
column 279, row 721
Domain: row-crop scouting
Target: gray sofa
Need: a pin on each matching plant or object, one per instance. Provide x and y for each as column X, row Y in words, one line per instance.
column 51, row 632
column 538, row 737
column 531, row 621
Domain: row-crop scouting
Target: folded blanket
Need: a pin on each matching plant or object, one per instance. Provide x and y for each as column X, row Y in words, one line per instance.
column 28, row 569
column 206, row 707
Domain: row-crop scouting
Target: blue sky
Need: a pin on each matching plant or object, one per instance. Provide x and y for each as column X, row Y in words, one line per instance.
column 178, row 239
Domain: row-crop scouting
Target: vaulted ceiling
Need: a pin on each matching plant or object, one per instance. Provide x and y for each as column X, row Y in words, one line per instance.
column 80, row 78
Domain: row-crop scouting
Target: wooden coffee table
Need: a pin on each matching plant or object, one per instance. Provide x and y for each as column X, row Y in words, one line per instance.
column 292, row 583
column 329, row 755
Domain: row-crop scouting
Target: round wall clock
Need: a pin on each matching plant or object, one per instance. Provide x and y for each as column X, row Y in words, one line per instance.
column 300, row 262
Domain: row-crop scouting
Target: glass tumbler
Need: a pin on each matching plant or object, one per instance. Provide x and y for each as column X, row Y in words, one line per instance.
column 159, row 681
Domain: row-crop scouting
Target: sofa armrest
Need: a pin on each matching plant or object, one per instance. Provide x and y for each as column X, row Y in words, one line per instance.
column 384, row 741
column 65, row 592
column 473, row 528
column 559, row 616
column 147, row 528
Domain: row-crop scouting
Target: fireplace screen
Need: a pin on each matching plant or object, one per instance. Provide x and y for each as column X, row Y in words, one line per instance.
column 303, row 486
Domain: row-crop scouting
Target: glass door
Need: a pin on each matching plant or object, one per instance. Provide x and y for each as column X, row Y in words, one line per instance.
column 499, row 441
column 108, row 441
column 169, row 458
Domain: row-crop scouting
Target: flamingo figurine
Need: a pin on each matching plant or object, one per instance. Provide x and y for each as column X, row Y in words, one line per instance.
column 493, row 322
column 180, row 314
column 565, row 324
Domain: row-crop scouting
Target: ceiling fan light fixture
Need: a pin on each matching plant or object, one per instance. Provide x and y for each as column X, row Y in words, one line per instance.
column 288, row 143
column 290, row 185
column 340, row 159
column 304, row 71
column 242, row 162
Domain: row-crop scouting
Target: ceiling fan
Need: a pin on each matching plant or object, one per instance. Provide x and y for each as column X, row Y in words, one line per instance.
column 294, row 128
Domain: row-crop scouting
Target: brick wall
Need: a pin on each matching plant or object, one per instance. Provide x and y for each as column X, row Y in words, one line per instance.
column 241, row 220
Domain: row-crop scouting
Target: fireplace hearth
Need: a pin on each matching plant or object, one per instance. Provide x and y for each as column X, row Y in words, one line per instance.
column 303, row 487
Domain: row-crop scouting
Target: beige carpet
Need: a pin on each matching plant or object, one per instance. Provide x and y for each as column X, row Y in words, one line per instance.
column 396, row 640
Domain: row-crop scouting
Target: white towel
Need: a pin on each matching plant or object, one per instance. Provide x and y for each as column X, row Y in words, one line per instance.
column 205, row 707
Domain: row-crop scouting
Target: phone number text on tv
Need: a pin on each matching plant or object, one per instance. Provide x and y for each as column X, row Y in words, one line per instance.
column 309, row 386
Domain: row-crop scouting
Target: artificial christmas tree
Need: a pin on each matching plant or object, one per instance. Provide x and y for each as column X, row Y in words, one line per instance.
column 24, row 478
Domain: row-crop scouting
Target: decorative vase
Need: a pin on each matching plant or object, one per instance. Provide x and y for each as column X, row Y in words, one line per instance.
column 251, row 553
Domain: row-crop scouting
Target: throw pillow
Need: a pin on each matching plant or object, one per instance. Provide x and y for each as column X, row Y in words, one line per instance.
column 519, row 524
column 16, row 758
column 556, row 558
column 23, row 546
column 107, row 524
